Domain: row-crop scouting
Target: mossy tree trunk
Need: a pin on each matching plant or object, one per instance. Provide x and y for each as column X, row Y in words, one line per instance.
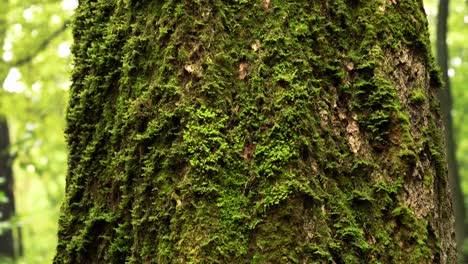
column 265, row 131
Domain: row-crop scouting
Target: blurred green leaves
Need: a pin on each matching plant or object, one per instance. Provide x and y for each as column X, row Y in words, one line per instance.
column 34, row 72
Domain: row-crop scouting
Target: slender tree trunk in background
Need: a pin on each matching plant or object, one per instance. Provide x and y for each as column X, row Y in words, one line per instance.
column 6, row 208
column 446, row 108
column 254, row 132
column 10, row 239
column 9, row 244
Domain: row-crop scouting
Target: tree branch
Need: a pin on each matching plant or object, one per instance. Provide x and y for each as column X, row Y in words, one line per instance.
column 28, row 58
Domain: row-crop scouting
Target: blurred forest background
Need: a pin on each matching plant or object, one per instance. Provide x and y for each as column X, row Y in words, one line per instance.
column 35, row 63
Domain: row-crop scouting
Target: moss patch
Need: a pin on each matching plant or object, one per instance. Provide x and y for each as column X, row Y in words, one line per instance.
column 246, row 132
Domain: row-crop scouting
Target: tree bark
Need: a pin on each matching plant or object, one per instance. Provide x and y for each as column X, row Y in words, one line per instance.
column 254, row 132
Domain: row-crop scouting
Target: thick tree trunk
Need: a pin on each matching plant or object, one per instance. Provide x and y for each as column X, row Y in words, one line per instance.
column 254, row 132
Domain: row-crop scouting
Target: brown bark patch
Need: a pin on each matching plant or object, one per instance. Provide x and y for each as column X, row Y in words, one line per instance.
column 256, row 45
column 354, row 139
column 266, row 4
column 243, row 68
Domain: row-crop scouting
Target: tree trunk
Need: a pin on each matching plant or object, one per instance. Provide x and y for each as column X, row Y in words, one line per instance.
column 445, row 97
column 10, row 238
column 10, row 245
column 254, row 132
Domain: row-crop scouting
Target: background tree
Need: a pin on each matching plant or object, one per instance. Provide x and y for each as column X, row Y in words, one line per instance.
column 10, row 241
column 453, row 63
column 34, row 74
column 446, row 109
column 254, row 131
column 456, row 67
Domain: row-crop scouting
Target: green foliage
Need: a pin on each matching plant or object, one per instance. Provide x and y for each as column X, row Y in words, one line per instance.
column 4, row 260
column 34, row 74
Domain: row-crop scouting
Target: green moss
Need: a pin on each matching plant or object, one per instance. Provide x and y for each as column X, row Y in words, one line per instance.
column 417, row 97
column 409, row 156
column 214, row 132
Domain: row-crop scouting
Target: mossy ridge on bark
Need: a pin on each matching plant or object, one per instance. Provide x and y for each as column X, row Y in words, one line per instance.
column 253, row 132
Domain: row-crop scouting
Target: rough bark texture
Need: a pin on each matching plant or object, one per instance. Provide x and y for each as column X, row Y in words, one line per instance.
column 254, row 132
